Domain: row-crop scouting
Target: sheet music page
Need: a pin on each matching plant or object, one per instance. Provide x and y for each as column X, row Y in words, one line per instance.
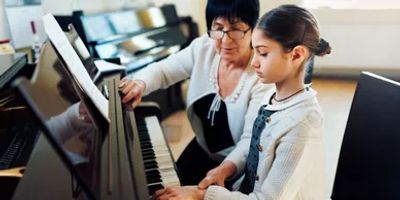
column 74, row 64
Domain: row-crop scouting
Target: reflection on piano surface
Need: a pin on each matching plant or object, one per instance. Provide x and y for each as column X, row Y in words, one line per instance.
column 137, row 37
column 126, row 159
column 53, row 98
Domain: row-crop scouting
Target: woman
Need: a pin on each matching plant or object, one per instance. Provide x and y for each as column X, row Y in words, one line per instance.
column 223, row 93
column 286, row 157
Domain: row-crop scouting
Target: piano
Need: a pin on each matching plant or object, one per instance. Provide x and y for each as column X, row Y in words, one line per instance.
column 127, row 158
column 138, row 37
column 134, row 150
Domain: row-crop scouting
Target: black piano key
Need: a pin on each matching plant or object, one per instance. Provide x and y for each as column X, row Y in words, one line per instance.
column 144, row 138
column 148, row 149
column 153, row 180
column 154, row 188
column 146, row 141
column 150, row 162
column 153, row 176
column 149, row 153
column 152, row 171
column 146, row 146
column 149, row 157
column 151, row 166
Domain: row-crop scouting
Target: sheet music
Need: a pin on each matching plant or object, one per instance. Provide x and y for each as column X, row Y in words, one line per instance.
column 74, row 63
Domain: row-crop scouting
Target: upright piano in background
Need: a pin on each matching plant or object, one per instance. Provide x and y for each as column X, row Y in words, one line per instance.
column 138, row 38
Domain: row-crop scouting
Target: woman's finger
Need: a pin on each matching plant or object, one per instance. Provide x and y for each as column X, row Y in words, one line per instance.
column 128, row 86
column 130, row 95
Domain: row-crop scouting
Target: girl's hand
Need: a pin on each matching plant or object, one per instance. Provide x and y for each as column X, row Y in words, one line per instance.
column 180, row 193
column 218, row 175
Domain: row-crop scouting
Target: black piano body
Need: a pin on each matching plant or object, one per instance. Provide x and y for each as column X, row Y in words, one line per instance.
column 128, row 167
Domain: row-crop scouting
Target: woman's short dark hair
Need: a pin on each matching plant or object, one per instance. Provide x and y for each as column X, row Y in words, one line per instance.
column 247, row 11
column 291, row 25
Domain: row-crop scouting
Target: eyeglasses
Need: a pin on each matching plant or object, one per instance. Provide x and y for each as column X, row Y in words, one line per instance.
column 233, row 34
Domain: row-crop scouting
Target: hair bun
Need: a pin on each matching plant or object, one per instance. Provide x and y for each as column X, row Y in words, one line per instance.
column 323, row 48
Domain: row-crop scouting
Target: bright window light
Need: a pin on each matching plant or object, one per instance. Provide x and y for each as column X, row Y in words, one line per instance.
column 352, row 4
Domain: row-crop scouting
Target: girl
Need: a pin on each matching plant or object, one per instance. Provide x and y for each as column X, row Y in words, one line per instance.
column 286, row 155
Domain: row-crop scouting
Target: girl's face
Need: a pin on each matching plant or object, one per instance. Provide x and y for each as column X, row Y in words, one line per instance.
column 232, row 49
column 271, row 63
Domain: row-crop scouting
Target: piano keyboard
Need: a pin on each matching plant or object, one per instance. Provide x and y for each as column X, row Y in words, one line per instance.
column 8, row 157
column 159, row 165
column 20, row 146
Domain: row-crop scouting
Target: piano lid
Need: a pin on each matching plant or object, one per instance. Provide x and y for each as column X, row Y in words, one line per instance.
column 10, row 65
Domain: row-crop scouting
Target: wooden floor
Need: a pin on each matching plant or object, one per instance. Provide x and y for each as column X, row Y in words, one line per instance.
column 178, row 132
column 335, row 97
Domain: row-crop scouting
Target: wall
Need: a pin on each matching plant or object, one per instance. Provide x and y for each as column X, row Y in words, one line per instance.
column 67, row 6
column 4, row 32
column 360, row 39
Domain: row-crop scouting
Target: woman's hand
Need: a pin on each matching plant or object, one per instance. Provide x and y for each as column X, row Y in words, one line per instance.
column 218, row 175
column 132, row 91
column 180, row 193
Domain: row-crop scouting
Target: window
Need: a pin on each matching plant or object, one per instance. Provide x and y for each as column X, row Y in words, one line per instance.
column 352, row 4
column 22, row 2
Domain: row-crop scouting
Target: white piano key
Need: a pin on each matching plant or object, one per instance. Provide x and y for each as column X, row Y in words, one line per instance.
column 162, row 154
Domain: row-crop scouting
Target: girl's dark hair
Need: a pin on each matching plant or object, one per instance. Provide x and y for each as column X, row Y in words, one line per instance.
column 291, row 25
column 247, row 11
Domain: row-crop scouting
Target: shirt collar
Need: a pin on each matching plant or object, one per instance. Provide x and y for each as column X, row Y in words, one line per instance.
column 303, row 96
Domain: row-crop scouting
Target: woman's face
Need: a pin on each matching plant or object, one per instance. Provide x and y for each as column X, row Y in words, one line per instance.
column 271, row 63
column 232, row 49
